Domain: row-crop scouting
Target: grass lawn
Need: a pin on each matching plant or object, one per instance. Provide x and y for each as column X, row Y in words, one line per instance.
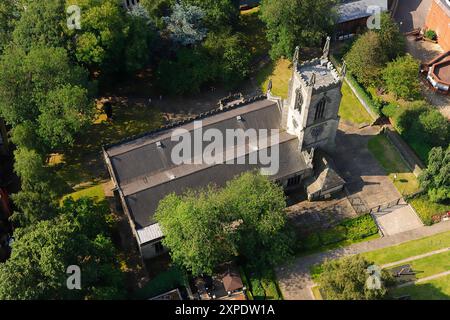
column 351, row 109
column 263, row 284
column 83, row 162
column 95, row 192
column 389, row 158
column 431, row 265
column 427, row 209
column 280, row 72
column 409, row 249
column 437, row 289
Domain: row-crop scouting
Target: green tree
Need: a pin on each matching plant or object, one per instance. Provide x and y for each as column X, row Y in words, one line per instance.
column 41, row 24
column 346, row 279
column 230, row 56
column 41, row 254
column 101, row 41
column 157, row 9
column 402, row 77
column 436, row 178
column 26, row 79
column 392, row 40
column 296, row 22
column 36, row 200
column 141, row 36
column 435, row 126
column 218, row 13
column 210, row 226
column 9, row 14
column 63, row 113
column 366, row 59
column 185, row 24
column 187, row 72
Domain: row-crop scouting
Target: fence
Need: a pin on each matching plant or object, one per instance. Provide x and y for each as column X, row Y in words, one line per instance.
column 386, row 206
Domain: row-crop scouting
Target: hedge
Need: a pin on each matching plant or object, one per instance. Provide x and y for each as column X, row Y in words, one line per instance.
column 376, row 107
column 347, row 230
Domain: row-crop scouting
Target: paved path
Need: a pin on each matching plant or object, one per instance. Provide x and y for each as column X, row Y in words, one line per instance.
column 397, row 219
column 295, row 280
column 412, row 14
column 420, row 256
column 434, row 276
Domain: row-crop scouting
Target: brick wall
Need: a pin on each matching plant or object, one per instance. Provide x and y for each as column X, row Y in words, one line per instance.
column 439, row 21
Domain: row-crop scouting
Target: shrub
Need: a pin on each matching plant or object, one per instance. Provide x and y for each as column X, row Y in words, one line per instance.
column 364, row 94
column 365, row 60
column 430, row 34
column 257, row 289
column 360, row 227
column 436, row 127
column 333, row 235
column 312, row 241
column 401, row 77
column 392, row 40
column 392, row 110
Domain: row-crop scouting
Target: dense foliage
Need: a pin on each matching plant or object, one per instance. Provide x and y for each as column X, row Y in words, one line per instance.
column 366, row 58
column 292, row 23
column 346, row 279
column 436, row 178
column 211, row 226
column 42, row 253
column 401, row 77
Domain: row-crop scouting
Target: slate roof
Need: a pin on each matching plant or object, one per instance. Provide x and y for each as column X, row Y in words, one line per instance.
column 328, row 178
column 354, row 10
column 146, row 174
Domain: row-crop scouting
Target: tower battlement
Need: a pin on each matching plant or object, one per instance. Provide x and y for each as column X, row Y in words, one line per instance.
column 318, row 73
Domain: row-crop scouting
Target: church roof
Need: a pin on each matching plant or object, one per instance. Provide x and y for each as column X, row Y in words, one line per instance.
column 145, row 174
column 327, row 178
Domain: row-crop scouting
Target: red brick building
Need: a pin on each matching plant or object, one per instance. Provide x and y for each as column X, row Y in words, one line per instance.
column 439, row 20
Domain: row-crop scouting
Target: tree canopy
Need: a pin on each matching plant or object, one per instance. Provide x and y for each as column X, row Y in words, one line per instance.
column 206, row 227
column 366, row 58
column 436, row 178
column 347, row 279
column 401, row 77
column 41, row 254
column 35, row 88
column 292, row 23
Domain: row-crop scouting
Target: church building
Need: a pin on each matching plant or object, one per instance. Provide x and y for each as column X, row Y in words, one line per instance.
column 143, row 171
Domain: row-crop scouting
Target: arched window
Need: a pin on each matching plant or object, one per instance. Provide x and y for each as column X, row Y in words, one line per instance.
column 298, row 99
column 320, row 109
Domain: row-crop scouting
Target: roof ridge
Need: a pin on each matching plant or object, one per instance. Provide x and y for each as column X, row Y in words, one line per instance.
column 284, row 137
column 175, row 124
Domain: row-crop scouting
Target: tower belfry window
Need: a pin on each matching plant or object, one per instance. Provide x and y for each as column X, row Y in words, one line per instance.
column 298, row 99
column 320, row 109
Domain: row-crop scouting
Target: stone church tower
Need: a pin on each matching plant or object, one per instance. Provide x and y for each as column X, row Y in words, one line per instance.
column 311, row 110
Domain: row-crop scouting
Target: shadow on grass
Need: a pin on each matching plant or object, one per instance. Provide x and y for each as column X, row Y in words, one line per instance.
column 424, row 291
column 83, row 164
